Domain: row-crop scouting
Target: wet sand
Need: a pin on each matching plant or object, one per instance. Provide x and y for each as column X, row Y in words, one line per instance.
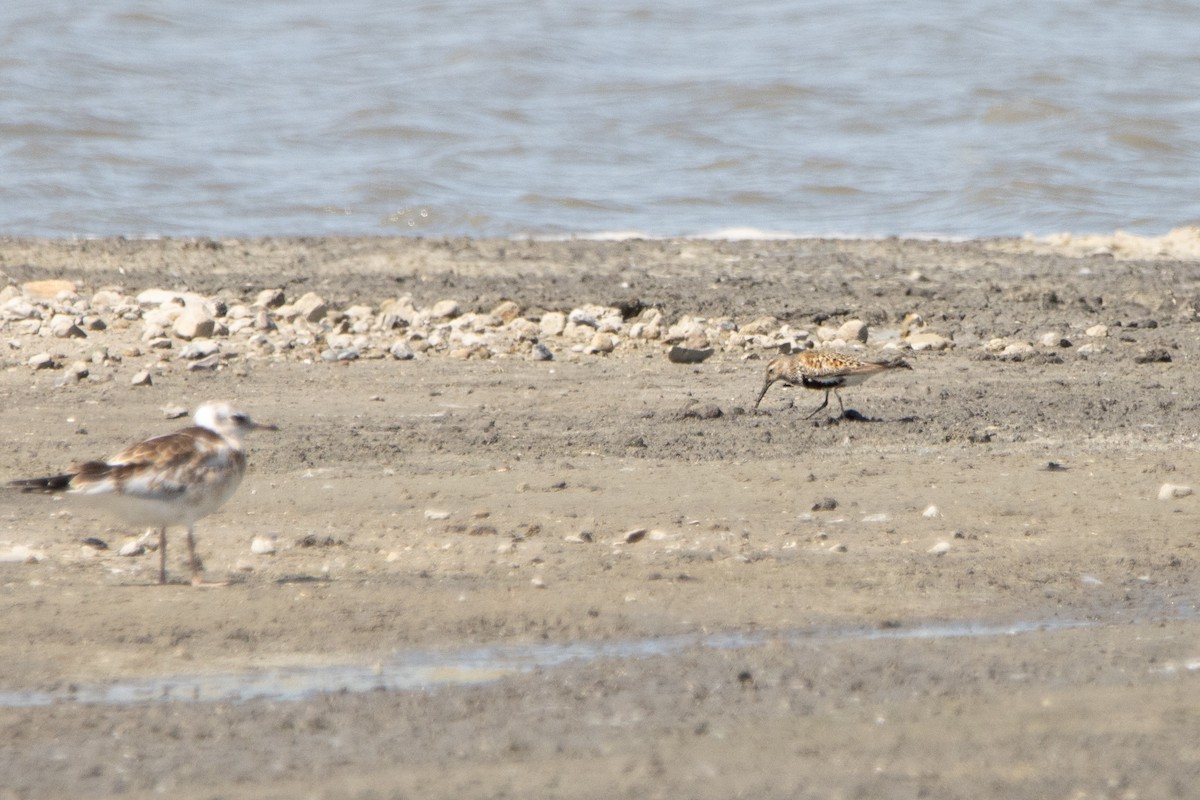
column 1037, row 637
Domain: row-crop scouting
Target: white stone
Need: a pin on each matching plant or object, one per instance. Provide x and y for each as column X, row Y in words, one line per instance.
column 1097, row 331
column 1017, row 349
column 1169, row 491
column 552, row 323
column 854, row 330
column 141, row 379
column 158, row 297
column 928, row 340
column 311, row 307
column 436, row 514
column 262, row 545
column 939, row 549
column 194, row 322
column 199, row 348
column 444, row 309
column 931, row 512
column 63, row 326
column 401, row 350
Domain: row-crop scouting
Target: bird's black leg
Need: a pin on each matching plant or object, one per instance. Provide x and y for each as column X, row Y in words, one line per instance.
column 842, row 407
column 824, row 403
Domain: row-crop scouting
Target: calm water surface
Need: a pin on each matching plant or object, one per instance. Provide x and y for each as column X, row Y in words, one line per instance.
column 499, row 117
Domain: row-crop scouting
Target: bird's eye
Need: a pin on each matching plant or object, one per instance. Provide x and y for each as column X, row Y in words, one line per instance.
column 240, row 418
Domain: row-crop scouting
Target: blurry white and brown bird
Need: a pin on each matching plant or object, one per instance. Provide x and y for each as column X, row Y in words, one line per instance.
column 173, row 479
column 825, row 371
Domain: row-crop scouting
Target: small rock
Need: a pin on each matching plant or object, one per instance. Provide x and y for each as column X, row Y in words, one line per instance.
column 133, row 547
column 444, row 309
column 1054, row 339
column 157, row 297
column 854, row 330
column 939, row 549
column 540, row 352
column 1170, row 491
column 47, row 290
column 206, row 363
column 20, row 554
column 62, row 326
column 42, row 361
column 311, row 307
column 199, row 348
column 635, row 535
column 931, row 512
column 876, row 518
column 838, row 548
column 401, row 350
column 142, row 379
column 436, row 514
column 1097, row 331
column 553, row 323
column 194, row 322
column 537, row 583
column 688, row 355
column 507, row 311
column 928, row 340
column 825, row 504
column 601, row 343
column 270, row 298
column 1017, row 350
column 262, row 545
column 1153, row 356
column 174, row 412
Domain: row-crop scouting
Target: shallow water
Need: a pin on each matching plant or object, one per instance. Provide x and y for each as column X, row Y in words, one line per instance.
column 425, row 670
column 498, row 117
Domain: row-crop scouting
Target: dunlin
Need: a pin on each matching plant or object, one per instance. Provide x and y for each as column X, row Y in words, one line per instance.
column 173, row 479
column 825, row 371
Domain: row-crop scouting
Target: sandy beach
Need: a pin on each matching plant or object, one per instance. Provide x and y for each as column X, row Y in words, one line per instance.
column 616, row 577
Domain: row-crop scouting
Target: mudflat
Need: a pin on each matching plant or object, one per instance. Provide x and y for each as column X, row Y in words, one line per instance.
column 482, row 572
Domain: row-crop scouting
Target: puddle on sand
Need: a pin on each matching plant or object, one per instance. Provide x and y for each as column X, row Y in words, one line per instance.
column 430, row 669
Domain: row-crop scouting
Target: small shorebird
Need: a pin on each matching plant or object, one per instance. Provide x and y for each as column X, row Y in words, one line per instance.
column 173, row 479
column 823, row 370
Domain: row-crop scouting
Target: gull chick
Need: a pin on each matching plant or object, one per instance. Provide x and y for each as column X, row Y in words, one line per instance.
column 825, row 371
column 173, row 479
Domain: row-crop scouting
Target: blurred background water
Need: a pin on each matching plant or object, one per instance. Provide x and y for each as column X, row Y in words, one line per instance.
column 539, row 118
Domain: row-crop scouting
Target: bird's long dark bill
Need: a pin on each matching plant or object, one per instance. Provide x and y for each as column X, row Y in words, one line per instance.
column 763, row 393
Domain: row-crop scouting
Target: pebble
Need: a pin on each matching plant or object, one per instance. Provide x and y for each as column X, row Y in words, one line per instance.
column 635, row 535
column 876, row 518
column 311, row 307
column 200, row 348
column 47, row 290
column 444, row 309
column 688, row 355
column 931, row 512
column 928, row 340
column 133, row 547
column 401, row 350
column 20, row 554
column 42, row 361
column 141, row 378
column 62, row 326
column 206, row 363
column 1169, row 491
column 436, row 514
column 263, row 545
column 939, row 549
column 539, row 352
column 854, row 330
column 552, row 323
column 193, row 322
column 174, row 412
